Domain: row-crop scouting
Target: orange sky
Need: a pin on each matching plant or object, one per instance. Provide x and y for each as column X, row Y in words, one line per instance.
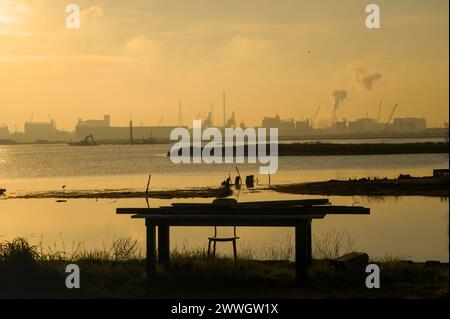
column 139, row 57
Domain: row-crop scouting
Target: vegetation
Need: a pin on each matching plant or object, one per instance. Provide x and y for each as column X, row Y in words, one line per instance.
column 410, row 186
column 28, row 270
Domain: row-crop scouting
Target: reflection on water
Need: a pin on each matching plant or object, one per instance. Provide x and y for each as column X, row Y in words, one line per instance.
column 411, row 227
column 48, row 167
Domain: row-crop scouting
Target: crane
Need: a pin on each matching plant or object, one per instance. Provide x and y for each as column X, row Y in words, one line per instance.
column 379, row 111
column 315, row 115
column 160, row 120
column 391, row 116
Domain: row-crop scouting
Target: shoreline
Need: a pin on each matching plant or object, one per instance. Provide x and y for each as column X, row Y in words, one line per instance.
column 206, row 192
column 403, row 186
column 408, row 186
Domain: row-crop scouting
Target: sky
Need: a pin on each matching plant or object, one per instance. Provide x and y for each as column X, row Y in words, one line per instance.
column 138, row 58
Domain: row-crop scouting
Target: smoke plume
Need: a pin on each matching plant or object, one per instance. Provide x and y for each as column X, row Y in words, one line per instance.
column 366, row 78
column 338, row 97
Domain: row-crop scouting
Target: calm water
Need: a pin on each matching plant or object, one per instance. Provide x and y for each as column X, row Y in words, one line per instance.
column 411, row 227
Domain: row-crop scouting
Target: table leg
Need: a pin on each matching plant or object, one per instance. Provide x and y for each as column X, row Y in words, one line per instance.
column 164, row 245
column 151, row 248
column 309, row 242
column 302, row 237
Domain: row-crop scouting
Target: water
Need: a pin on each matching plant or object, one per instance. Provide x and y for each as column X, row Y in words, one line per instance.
column 43, row 167
column 411, row 227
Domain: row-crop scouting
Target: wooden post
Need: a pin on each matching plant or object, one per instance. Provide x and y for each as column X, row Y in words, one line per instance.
column 240, row 178
column 301, row 249
column 148, row 184
column 151, row 248
column 164, row 245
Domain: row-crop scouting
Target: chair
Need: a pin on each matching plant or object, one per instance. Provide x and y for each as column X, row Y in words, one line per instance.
column 216, row 239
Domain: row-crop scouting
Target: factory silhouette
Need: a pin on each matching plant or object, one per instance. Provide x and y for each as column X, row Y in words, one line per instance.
column 104, row 132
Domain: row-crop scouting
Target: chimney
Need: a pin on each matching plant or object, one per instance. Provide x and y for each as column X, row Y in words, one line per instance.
column 224, row 111
column 131, row 132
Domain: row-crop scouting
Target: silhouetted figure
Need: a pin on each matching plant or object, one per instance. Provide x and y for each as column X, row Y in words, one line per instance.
column 237, row 182
column 250, row 181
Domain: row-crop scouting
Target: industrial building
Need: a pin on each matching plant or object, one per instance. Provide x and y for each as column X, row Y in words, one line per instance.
column 106, row 122
column 285, row 127
column 365, row 125
column 44, row 131
column 409, row 124
column 103, row 131
column 4, row 132
column 339, row 127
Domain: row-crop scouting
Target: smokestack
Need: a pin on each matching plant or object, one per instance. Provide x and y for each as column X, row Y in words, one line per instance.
column 212, row 113
column 180, row 115
column 224, row 111
column 131, row 132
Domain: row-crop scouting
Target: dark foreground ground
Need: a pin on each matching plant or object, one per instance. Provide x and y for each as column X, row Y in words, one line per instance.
column 25, row 273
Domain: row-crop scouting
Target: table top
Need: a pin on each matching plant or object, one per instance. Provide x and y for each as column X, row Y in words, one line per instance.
column 227, row 212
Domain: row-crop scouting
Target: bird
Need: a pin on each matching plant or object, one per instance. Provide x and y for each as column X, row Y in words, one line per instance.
column 64, row 187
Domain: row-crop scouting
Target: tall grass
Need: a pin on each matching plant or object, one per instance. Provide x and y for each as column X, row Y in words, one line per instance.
column 332, row 244
column 118, row 270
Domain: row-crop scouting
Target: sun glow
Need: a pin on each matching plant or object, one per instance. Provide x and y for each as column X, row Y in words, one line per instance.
column 13, row 12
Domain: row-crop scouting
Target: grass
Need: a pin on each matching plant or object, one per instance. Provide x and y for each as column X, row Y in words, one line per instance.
column 118, row 271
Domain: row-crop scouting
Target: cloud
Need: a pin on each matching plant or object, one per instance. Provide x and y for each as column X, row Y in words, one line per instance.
column 140, row 43
column 92, row 12
column 9, row 33
column 23, row 58
column 244, row 44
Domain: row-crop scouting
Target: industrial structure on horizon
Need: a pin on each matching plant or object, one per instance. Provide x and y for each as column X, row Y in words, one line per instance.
column 103, row 131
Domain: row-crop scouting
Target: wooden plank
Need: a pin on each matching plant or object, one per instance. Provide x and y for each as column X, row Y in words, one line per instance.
column 258, row 211
column 277, row 203
column 162, row 217
column 224, row 220
column 346, row 210
column 236, row 211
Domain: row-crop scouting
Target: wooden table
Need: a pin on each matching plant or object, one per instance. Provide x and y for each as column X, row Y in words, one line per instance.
column 292, row 213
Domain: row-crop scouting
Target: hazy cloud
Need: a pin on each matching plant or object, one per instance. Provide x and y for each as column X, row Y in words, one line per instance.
column 141, row 43
column 92, row 12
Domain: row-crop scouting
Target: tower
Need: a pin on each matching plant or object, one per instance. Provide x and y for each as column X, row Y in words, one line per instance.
column 180, row 115
column 224, row 111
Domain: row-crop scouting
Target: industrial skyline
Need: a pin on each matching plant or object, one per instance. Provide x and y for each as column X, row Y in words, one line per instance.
column 105, row 130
